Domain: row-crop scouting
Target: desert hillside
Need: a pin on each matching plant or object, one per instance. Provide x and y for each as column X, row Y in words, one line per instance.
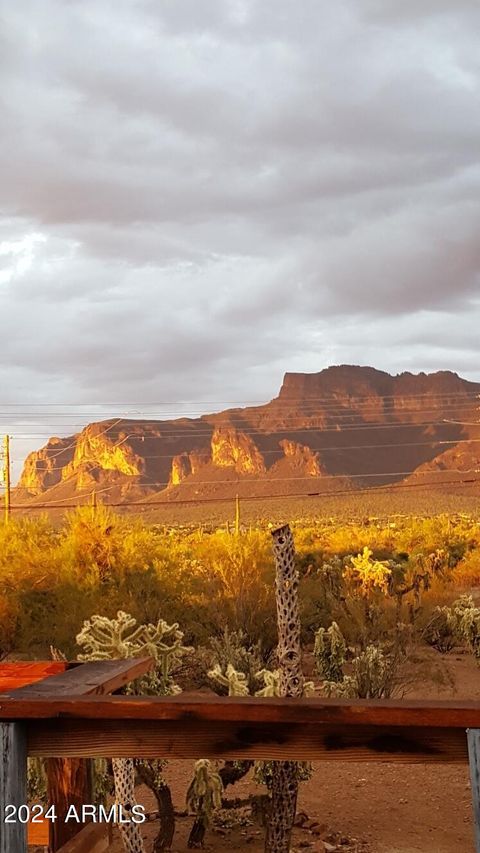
column 343, row 428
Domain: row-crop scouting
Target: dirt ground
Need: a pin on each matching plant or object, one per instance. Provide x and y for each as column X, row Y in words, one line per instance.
column 361, row 807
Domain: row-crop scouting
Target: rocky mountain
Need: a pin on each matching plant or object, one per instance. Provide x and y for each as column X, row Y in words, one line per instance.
column 345, row 427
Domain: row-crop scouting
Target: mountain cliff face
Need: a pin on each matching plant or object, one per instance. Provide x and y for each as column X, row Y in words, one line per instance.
column 79, row 458
column 234, row 449
column 343, row 427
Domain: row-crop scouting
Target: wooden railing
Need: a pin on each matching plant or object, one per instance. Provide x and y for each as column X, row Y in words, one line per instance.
column 68, row 779
column 68, row 724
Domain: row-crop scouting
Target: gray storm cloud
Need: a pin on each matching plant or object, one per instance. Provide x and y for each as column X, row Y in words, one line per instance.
column 196, row 197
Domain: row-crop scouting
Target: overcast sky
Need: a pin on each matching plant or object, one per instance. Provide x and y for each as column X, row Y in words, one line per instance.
column 198, row 195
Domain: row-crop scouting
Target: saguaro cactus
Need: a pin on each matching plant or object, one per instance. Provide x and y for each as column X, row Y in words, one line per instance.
column 284, row 773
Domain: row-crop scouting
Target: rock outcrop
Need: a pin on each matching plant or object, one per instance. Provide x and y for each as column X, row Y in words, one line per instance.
column 234, row 449
column 186, row 464
column 344, row 422
column 43, row 468
column 302, row 457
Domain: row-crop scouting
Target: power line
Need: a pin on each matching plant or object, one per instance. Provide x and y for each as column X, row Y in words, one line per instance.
column 145, row 504
column 278, row 431
column 5, row 478
column 312, row 479
column 337, row 448
column 339, row 406
column 475, row 391
column 191, row 425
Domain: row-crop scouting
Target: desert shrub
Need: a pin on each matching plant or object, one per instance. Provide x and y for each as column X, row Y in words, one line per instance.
column 94, row 539
column 28, row 555
column 52, row 577
column 236, row 588
column 8, row 624
column 330, row 652
column 229, row 648
column 233, row 647
column 464, row 619
column 438, row 631
column 49, row 617
column 467, row 571
column 373, row 673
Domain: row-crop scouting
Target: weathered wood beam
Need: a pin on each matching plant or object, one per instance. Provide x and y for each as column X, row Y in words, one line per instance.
column 13, row 785
column 95, row 677
column 216, row 709
column 239, row 741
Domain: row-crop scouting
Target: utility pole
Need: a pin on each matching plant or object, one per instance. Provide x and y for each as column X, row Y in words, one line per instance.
column 6, row 476
column 237, row 515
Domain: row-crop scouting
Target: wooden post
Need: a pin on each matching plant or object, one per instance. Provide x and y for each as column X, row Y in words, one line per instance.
column 13, row 786
column 6, row 474
column 237, row 515
column 284, row 774
column 473, row 738
column 68, row 784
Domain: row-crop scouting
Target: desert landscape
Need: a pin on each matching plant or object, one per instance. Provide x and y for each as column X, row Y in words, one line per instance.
column 239, row 426
column 388, row 609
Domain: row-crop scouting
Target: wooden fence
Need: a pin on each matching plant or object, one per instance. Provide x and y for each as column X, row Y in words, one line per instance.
column 54, row 720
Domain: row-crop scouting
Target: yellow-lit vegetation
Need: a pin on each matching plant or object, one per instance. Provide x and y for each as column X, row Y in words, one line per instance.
column 53, row 578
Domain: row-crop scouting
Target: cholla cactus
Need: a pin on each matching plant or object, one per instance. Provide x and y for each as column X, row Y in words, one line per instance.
column 271, row 680
column 371, row 671
column 371, row 678
column 463, row 617
column 204, row 794
column 330, row 652
column 104, row 639
column 234, row 681
column 57, row 654
column 235, row 647
column 344, row 689
column 367, row 574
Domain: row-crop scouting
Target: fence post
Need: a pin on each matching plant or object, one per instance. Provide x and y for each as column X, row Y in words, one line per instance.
column 13, row 786
column 473, row 737
column 68, row 784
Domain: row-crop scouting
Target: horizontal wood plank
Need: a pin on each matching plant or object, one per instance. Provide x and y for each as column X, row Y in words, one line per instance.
column 241, row 728
column 18, row 674
column 26, row 704
column 233, row 740
column 95, row 677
